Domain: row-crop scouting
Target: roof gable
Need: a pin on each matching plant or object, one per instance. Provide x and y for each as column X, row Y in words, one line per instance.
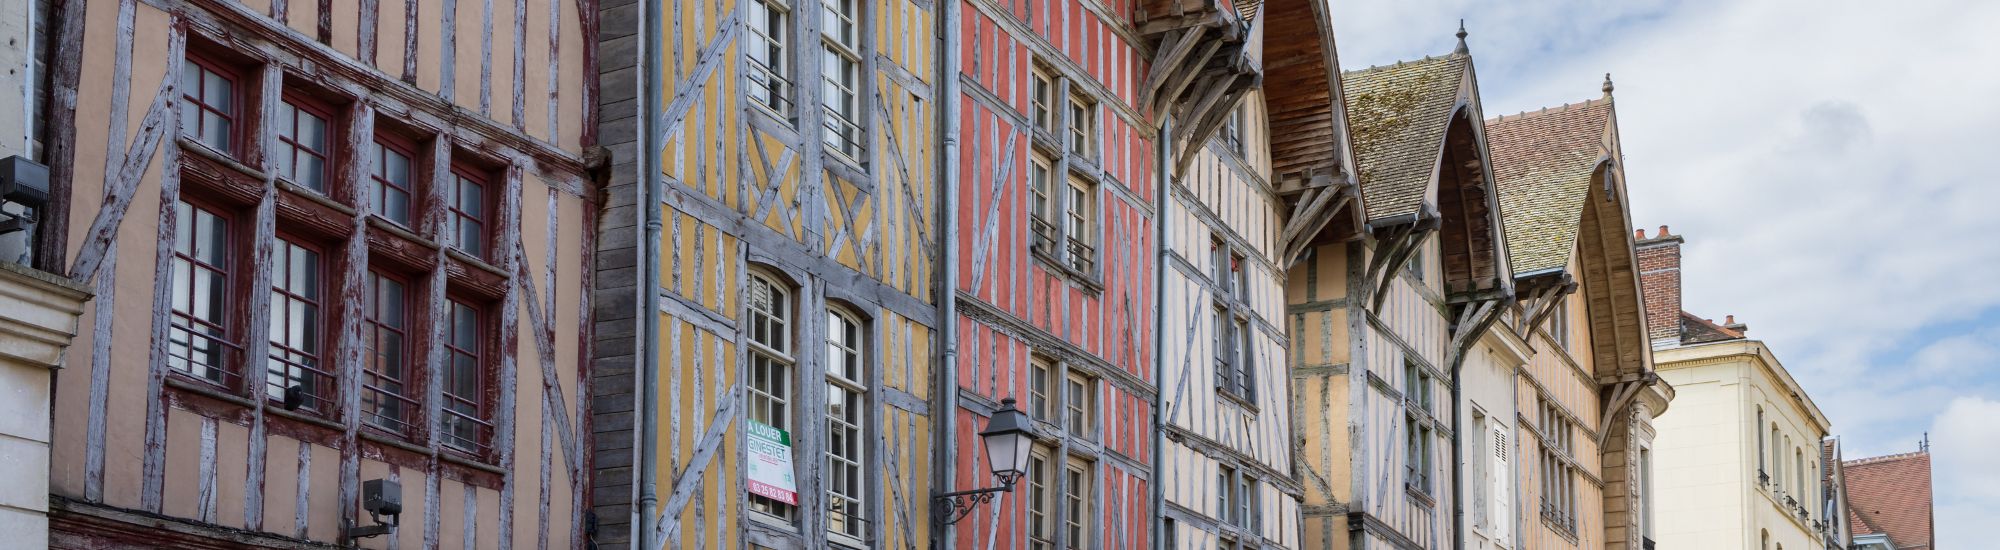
column 1544, row 163
column 1398, row 115
column 1891, row 495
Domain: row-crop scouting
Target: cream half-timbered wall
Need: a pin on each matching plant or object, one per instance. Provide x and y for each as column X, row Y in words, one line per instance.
column 498, row 82
column 1355, row 398
column 1560, row 376
column 1209, row 433
column 751, row 191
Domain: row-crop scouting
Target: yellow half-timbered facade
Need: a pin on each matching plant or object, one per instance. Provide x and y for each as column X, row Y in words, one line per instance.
column 771, row 312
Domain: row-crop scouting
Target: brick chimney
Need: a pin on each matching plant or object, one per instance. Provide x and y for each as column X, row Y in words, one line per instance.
column 1660, row 281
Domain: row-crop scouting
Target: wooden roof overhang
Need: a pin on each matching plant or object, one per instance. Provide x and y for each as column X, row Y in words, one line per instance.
column 1311, row 156
column 1207, row 54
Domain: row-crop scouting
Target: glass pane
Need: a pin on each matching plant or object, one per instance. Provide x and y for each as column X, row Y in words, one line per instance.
column 465, row 377
column 312, row 132
column 396, row 206
column 215, row 131
column 216, row 93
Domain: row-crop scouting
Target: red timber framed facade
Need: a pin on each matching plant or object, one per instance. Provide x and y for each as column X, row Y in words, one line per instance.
column 330, row 244
column 1056, row 181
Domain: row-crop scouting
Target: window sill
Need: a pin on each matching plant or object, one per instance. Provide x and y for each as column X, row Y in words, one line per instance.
column 202, row 150
column 1241, row 401
column 1062, row 269
column 1420, row 495
column 181, row 382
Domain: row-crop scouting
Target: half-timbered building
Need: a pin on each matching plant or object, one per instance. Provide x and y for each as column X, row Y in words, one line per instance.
column 767, row 303
column 1382, row 317
column 1052, row 168
column 335, row 249
column 1226, row 403
column 1581, row 435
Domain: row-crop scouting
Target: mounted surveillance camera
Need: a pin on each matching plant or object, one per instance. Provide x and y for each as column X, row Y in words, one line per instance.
column 379, row 497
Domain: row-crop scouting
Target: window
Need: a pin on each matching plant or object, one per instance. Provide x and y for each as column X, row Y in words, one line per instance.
column 1558, row 471
column 1798, row 473
column 294, row 374
column 1240, row 284
column 385, row 399
column 1078, row 392
column 1418, row 385
column 770, row 69
column 1081, row 224
column 1082, row 126
column 1232, row 130
column 1041, row 213
column 846, row 434
column 198, row 339
column 1646, row 492
column 1777, row 463
column 1250, row 510
column 1076, row 493
column 304, row 144
column 1503, row 483
column 1225, row 494
column 770, row 316
column 1225, row 358
column 1041, row 500
column 842, row 77
column 1762, row 477
column 391, row 182
column 1479, row 471
column 465, row 427
column 467, row 210
column 1040, row 376
column 209, row 104
column 1559, row 323
column 1417, row 449
column 1044, row 100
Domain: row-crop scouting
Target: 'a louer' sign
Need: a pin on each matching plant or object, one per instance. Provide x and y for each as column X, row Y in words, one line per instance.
column 770, row 451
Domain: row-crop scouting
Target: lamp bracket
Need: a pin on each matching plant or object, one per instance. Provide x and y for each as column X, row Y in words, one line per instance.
column 955, row 506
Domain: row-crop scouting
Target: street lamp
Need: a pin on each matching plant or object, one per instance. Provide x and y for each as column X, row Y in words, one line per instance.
column 1009, row 435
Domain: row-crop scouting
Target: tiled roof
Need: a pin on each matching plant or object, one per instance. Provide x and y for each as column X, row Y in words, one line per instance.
column 1542, row 161
column 1891, row 495
column 1398, row 115
column 1696, row 330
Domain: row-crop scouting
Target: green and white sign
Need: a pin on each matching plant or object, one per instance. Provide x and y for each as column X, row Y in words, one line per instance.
column 770, row 454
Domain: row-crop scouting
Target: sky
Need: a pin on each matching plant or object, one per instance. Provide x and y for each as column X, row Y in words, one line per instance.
column 1831, row 165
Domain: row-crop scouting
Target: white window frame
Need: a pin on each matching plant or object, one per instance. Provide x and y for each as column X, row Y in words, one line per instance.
column 770, row 74
column 847, row 345
column 842, row 79
column 769, row 334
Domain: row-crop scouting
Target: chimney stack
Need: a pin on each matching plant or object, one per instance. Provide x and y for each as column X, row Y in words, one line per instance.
column 1660, row 282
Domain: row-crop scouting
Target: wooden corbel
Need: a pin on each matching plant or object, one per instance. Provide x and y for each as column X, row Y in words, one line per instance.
column 1401, row 245
column 1542, row 306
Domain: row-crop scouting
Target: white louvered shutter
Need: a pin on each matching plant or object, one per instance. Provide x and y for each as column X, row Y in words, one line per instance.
column 1502, row 500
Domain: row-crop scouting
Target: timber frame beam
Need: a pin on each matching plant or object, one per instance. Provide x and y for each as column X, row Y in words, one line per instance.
column 1322, row 200
column 1541, row 304
column 1403, row 239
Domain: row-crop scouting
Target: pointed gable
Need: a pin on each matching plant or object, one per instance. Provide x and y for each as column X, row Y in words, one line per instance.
column 1544, row 162
column 1891, row 495
column 1398, row 115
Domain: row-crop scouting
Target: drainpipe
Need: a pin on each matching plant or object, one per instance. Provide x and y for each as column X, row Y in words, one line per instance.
column 946, row 375
column 648, row 197
column 1161, row 200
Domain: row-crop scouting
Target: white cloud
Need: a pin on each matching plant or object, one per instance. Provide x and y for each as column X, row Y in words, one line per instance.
column 1965, row 485
column 1828, row 162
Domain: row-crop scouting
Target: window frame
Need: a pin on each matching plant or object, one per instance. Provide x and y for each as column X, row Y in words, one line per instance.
column 298, row 101
column 857, row 521
column 1079, row 403
column 779, row 100
column 1080, row 225
column 783, row 364
column 231, row 311
column 411, row 415
column 848, row 122
column 1081, row 115
column 1078, row 475
column 1041, row 498
column 483, row 366
column 378, row 186
column 1043, row 388
column 324, row 378
column 238, row 79
column 461, row 173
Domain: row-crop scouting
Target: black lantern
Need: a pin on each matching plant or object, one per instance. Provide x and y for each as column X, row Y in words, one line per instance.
column 1008, row 436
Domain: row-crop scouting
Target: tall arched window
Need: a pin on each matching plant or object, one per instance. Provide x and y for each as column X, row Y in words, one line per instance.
column 1777, row 464
column 1758, row 427
column 768, row 335
column 1799, row 473
column 846, row 426
column 1764, row 540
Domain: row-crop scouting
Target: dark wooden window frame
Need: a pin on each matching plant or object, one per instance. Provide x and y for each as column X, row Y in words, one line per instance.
column 330, row 159
column 238, row 110
column 467, row 172
column 325, row 376
column 233, row 307
column 411, row 417
column 409, row 148
column 483, row 354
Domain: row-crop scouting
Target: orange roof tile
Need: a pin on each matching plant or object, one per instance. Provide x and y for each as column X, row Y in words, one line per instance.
column 1891, row 495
